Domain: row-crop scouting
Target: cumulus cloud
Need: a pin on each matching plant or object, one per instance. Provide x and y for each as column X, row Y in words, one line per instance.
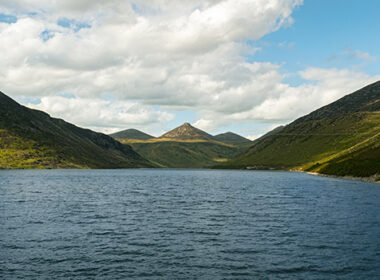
column 98, row 114
column 179, row 55
column 188, row 55
column 285, row 103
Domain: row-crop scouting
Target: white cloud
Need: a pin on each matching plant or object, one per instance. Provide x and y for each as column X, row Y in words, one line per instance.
column 350, row 54
column 143, row 56
column 254, row 137
column 101, row 115
column 179, row 55
column 363, row 56
column 68, row 6
column 285, row 103
column 207, row 125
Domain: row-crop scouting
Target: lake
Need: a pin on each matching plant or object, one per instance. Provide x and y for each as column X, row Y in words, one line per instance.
column 187, row 224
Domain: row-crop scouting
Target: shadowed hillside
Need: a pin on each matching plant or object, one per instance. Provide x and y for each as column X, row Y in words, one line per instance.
column 232, row 138
column 131, row 134
column 32, row 139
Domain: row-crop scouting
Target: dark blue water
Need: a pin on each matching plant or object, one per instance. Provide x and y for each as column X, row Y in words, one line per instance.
column 187, row 224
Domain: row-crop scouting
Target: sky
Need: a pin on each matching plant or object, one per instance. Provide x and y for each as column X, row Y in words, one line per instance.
column 245, row 66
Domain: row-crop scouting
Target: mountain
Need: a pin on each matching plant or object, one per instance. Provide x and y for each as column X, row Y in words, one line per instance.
column 342, row 138
column 131, row 134
column 32, row 139
column 187, row 131
column 186, row 154
column 232, row 138
column 186, row 147
column 273, row 131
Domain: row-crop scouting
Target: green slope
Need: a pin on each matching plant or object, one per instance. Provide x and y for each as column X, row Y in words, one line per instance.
column 276, row 130
column 339, row 139
column 32, row 139
column 186, row 147
column 187, row 131
column 186, row 154
column 231, row 138
column 131, row 134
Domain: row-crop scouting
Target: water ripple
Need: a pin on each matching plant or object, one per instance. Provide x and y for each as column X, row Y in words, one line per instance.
column 186, row 224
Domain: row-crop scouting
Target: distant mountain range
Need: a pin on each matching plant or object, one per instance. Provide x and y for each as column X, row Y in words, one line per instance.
column 341, row 139
column 32, row 139
column 183, row 132
column 186, row 147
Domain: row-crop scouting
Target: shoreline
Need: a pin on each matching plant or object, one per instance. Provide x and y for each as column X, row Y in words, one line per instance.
column 371, row 179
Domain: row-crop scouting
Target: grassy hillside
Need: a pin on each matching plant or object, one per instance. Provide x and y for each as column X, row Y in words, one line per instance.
column 339, row 139
column 187, row 131
column 186, row 154
column 131, row 134
column 32, row 139
column 186, row 147
column 231, row 138
column 362, row 159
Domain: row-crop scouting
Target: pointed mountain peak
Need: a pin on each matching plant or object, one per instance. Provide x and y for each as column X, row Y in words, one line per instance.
column 186, row 131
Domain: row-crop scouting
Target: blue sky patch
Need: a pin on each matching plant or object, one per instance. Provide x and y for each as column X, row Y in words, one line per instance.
column 68, row 95
column 46, row 35
column 72, row 24
column 7, row 18
column 28, row 100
